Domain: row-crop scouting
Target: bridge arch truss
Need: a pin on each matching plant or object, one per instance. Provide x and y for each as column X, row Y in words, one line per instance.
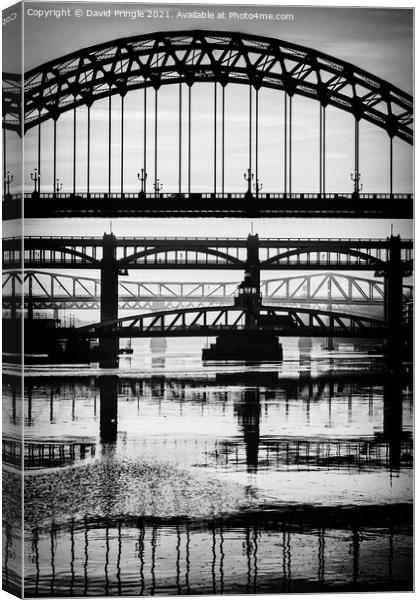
column 183, row 58
column 46, row 290
column 164, row 58
column 209, row 321
column 204, row 253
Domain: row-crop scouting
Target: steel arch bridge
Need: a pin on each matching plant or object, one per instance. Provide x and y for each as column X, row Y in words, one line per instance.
column 163, row 58
column 205, row 253
column 46, row 290
column 183, row 58
column 211, row 321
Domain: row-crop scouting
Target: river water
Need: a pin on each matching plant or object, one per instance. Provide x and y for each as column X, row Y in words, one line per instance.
column 168, row 476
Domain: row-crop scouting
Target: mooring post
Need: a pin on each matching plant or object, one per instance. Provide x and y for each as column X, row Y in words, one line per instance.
column 109, row 347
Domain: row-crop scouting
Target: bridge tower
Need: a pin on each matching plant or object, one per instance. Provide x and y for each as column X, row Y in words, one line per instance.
column 109, row 293
column 252, row 343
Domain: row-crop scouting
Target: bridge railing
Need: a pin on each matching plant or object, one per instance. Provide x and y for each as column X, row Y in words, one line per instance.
column 205, row 196
column 283, row 242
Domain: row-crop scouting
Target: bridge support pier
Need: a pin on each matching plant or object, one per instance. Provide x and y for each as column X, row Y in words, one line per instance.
column 253, row 260
column 393, row 306
column 109, row 347
column 253, row 278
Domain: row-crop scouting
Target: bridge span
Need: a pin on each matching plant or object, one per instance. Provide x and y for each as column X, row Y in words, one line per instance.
column 46, row 290
column 205, row 253
column 237, row 204
column 390, row 258
column 131, row 73
column 211, row 321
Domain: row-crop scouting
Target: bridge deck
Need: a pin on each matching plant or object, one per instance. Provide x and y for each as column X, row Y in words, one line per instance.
column 274, row 205
column 232, row 242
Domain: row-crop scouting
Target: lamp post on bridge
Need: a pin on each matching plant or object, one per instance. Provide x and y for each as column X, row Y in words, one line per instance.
column 357, row 186
column 158, row 187
column 142, row 178
column 58, row 187
column 257, row 187
column 7, row 181
column 248, row 176
column 36, row 178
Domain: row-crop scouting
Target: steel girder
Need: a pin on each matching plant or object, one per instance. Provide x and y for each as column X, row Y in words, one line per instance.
column 204, row 253
column 162, row 58
column 214, row 320
column 46, row 290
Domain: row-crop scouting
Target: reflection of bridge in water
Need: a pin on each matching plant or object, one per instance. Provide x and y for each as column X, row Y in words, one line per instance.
column 127, row 556
column 390, row 447
column 147, row 555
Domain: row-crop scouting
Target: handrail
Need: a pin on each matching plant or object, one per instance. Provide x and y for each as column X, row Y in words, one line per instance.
column 206, row 195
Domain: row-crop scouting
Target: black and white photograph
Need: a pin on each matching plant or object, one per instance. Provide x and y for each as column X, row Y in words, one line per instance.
column 207, row 299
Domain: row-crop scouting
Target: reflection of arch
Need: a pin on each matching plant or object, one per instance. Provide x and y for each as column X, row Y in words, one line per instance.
column 165, row 249
column 163, row 58
column 370, row 260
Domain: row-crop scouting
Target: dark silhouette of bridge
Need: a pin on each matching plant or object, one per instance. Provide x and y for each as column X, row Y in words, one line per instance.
column 210, row 321
column 391, row 258
column 73, row 83
column 46, row 290
column 207, row 253
column 145, row 64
